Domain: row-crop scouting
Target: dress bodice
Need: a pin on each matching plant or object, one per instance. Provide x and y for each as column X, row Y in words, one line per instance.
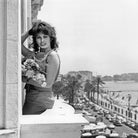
column 42, row 60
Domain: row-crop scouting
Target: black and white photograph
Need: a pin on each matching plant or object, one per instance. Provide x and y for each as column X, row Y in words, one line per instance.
column 69, row 69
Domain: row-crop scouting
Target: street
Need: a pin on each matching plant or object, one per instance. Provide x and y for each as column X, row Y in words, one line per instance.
column 121, row 130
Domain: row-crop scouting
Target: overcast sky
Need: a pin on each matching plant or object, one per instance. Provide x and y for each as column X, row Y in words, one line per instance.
column 95, row 35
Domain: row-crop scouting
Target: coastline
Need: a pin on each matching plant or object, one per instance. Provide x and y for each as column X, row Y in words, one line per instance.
column 120, row 90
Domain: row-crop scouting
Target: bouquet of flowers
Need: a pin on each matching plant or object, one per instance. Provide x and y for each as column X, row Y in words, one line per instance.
column 31, row 70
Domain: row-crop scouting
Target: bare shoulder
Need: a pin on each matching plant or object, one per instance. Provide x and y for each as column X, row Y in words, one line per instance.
column 53, row 56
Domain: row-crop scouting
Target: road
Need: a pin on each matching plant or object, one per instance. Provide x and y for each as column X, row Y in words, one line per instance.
column 119, row 129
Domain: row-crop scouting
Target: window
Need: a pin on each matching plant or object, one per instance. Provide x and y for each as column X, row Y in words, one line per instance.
column 135, row 117
column 122, row 111
column 126, row 113
column 118, row 110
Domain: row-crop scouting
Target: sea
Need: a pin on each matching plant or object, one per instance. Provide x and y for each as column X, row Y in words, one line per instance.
column 125, row 88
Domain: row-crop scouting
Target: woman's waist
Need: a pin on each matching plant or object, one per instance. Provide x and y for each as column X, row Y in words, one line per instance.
column 40, row 89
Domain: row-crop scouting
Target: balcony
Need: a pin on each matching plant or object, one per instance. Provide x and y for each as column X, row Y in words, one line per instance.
column 59, row 122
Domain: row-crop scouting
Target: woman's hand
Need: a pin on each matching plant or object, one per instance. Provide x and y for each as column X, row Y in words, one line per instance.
column 34, row 27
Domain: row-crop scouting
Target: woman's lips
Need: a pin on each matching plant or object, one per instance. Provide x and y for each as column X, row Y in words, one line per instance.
column 43, row 45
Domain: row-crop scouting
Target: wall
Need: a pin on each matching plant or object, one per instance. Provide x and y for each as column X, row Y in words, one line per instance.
column 10, row 68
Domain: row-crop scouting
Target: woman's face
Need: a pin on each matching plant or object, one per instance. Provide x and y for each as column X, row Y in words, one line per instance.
column 43, row 40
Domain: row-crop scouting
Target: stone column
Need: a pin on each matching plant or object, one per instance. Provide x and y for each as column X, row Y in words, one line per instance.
column 36, row 6
column 2, row 61
column 25, row 15
column 29, row 11
column 25, row 25
column 10, row 67
column 29, row 15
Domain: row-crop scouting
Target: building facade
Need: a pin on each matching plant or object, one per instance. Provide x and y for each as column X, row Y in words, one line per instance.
column 16, row 16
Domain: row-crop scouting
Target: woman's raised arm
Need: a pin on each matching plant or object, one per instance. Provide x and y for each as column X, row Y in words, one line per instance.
column 25, row 51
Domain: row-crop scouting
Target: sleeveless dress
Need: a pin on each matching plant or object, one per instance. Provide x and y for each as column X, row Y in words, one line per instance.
column 38, row 99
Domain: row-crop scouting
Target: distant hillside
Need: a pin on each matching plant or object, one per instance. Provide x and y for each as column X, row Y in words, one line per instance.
column 85, row 74
column 117, row 77
column 122, row 77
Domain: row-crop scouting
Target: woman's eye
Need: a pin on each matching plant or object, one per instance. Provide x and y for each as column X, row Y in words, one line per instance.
column 38, row 37
column 42, row 37
column 45, row 36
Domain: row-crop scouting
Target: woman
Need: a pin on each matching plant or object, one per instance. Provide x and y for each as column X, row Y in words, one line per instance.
column 39, row 98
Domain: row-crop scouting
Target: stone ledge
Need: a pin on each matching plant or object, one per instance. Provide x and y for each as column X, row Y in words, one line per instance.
column 58, row 126
column 61, row 113
column 53, row 119
column 59, row 122
column 7, row 131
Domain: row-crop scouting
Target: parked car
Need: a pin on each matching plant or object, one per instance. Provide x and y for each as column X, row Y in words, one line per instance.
column 136, row 127
column 117, row 122
column 132, row 135
column 92, row 106
column 95, row 109
column 78, row 106
column 128, row 123
column 84, row 113
column 86, row 108
column 113, row 119
column 124, row 120
column 100, row 112
column 108, row 116
column 132, row 125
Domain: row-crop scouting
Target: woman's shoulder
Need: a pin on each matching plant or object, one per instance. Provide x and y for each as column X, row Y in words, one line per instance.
column 52, row 54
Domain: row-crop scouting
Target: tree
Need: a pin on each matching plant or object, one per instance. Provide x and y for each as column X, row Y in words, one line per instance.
column 72, row 84
column 58, row 88
column 89, row 88
column 98, row 82
column 116, row 77
column 93, row 90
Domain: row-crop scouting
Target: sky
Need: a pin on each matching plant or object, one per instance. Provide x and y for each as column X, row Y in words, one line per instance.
column 100, row 36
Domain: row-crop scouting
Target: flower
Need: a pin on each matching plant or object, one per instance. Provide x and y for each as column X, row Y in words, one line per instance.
column 31, row 64
column 31, row 70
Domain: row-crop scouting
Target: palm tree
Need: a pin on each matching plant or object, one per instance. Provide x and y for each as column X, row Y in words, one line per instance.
column 72, row 84
column 58, row 88
column 98, row 82
column 93, row 90
column 89, row 88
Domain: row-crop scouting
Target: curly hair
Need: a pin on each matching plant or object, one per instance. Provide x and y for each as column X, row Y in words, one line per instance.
column 47, row 29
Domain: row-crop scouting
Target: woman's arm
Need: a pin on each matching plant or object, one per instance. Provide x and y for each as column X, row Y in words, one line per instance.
column 52, row 68
column 25, row 51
